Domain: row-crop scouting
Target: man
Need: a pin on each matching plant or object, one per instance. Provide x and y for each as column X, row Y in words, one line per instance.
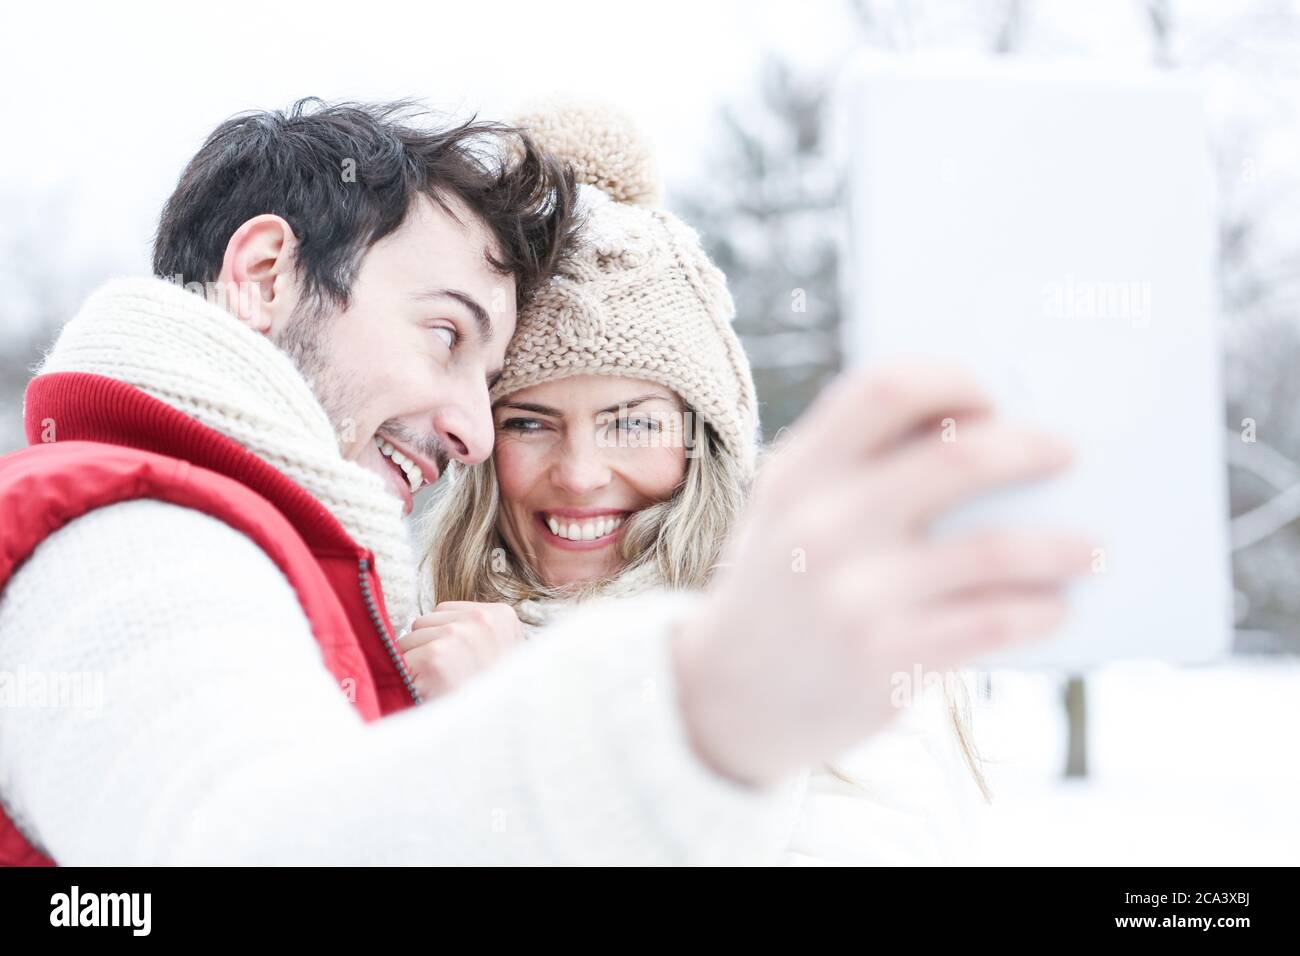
column 210, row 519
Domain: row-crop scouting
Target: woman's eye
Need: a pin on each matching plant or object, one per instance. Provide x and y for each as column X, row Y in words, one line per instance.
column 521, row 425
column 638, row 424
column 447, row 335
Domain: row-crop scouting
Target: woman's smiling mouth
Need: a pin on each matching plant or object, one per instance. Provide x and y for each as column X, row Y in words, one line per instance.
column 575, row 530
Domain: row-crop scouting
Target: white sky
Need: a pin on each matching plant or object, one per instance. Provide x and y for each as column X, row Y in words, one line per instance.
column 103, row 105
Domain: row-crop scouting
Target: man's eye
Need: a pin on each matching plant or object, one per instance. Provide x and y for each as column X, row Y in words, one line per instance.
column 447, row 335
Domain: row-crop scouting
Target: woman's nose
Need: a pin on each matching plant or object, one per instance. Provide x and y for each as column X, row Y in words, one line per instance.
column 580, row 469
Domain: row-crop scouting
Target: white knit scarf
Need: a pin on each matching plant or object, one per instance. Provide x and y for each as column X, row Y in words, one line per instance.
column 196, row 357
column 539, row 614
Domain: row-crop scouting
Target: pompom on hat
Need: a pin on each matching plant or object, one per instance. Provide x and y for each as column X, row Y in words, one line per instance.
column 601, row 144
column 637, row 298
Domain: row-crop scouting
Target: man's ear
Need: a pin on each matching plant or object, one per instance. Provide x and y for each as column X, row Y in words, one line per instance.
column 258, row 273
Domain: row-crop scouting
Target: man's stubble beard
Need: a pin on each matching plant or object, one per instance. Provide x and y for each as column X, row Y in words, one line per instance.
column 305, row 339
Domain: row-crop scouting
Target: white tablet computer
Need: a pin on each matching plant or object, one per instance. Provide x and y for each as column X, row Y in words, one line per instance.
column 1053, row 231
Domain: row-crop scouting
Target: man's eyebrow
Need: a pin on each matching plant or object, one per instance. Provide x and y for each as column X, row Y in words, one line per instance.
column 494, row 377
column 481, row 318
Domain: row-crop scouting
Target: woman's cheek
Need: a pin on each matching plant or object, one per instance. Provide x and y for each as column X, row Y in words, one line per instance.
column 518, row 468
column 658, row 471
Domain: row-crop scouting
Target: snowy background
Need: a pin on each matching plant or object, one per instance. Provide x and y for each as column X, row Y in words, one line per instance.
column 103, row 104
column 1193, row 766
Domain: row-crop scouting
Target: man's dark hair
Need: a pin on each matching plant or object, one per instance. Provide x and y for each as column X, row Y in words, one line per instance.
column 345, row 175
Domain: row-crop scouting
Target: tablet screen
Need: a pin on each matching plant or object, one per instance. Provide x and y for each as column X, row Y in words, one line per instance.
column 1054, row 231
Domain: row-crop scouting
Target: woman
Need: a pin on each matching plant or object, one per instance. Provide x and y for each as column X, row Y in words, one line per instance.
column 627, row 441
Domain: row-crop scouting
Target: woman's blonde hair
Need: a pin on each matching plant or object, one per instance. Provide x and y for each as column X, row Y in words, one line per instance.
column 681, row 539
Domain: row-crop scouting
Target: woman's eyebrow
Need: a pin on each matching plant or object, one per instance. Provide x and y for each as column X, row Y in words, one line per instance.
column 536, row 409
column 556, row 413
column 634, row 402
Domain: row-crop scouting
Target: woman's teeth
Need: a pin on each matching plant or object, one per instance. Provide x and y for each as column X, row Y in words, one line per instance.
column 414, row 476
column 588, row 530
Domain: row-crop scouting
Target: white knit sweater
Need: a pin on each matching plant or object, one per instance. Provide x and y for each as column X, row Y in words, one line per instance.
column 221, row 737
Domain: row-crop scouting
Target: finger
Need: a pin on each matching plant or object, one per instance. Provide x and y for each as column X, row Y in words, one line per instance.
column 928, row 477
column 462, row 606
column 479, row 612
column 866, row 413
column 452, row 659
column 418, row 637
column 954, row 633
column 438, row 618
column 991, row 560
column 432, row 669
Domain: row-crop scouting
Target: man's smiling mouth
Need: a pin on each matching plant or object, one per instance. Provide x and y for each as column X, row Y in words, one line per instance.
column 412, row 472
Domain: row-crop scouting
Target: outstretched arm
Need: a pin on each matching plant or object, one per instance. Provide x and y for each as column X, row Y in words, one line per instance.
column 223, row 739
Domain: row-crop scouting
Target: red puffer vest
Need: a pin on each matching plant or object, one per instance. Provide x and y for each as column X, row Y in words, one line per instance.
column 115, row 443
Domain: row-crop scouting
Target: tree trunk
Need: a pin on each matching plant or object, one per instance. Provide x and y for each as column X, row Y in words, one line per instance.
column 1076, row 712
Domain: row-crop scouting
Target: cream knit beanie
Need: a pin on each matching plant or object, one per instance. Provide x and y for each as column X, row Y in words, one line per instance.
column 638, row 298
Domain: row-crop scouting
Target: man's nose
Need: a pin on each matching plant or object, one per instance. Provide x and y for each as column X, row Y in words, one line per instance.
column 464, row 425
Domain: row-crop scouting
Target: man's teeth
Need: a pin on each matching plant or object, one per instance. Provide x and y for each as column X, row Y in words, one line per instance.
column 588, row 530
column 409, row 468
